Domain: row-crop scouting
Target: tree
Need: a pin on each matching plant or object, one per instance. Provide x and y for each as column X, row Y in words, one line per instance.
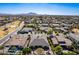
column 49, row 32
column 26, row 51
column 1, row 47
column 58, row 49
column 56, row 33
column 52, row 48
column 30, row 26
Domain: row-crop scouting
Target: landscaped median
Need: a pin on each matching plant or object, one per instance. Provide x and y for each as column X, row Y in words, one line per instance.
column 51, row 44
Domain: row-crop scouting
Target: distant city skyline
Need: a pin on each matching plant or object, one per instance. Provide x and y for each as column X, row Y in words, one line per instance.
column 40, row 8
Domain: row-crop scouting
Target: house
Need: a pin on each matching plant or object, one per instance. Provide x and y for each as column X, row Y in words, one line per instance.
column 17, row 40
column 68, row 42
column 44, row 28
column 39, row 40
column 61, row 29
column 63, row 41
column 54, row 41
column 74, row 37
column 25, row 30
column 56, row 25
column 44, row 25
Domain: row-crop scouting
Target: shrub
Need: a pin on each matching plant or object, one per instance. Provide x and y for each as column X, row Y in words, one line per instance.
column 69, row 53
column 1, row 47
column 58, row 49
column 26, row 51
column 49, row 32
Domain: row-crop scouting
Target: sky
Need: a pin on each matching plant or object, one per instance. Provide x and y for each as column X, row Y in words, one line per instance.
column 40, row 8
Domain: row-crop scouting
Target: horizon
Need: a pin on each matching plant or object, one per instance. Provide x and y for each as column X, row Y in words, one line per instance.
column 40, row 8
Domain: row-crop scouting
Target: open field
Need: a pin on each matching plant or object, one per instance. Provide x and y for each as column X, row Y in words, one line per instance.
column 8, row 28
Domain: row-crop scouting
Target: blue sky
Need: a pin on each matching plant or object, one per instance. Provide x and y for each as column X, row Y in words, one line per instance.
column 40, row 8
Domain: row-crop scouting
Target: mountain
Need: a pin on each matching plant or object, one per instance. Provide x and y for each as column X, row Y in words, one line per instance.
column 31, row 13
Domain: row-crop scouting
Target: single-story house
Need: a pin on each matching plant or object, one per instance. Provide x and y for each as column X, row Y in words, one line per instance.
column 17, row 40
column 74, row 37
column 39, row 40
column 26, row 30
column 63, row 41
